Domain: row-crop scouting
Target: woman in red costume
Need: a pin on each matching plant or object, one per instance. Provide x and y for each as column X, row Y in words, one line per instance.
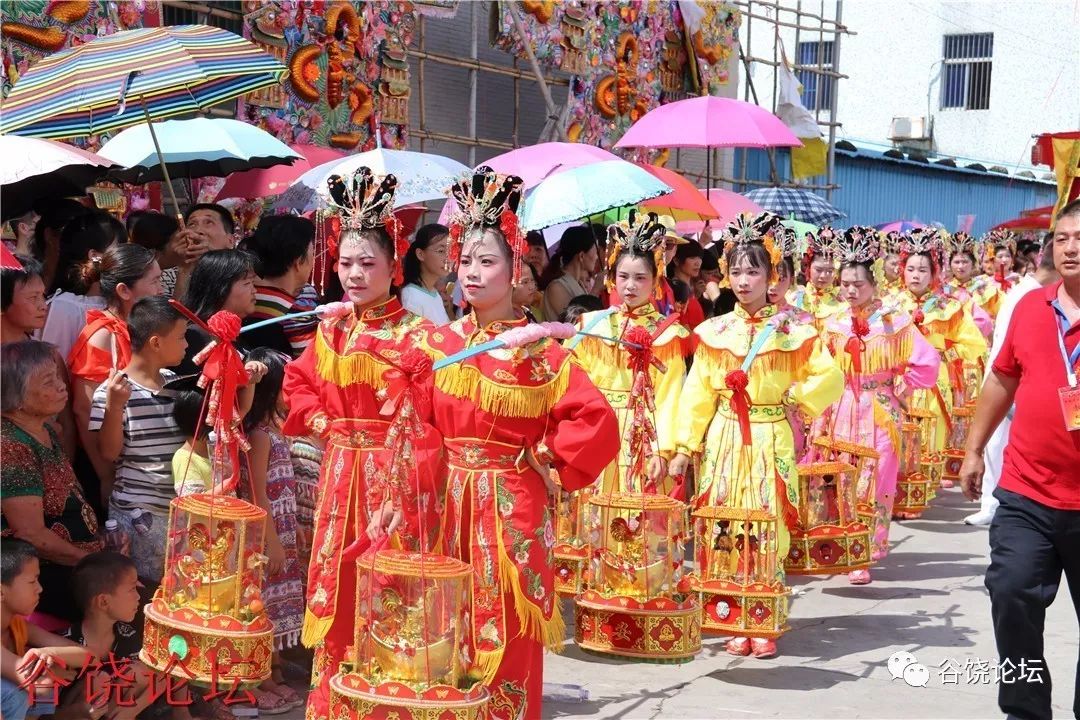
column 504, row 416
column 337, row 392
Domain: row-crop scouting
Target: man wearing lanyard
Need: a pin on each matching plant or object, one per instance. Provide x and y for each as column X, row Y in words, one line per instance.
column 1035, row 534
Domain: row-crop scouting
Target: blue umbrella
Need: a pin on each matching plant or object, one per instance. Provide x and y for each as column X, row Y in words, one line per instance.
column 203, row 147
column 588, row 190
column 799, row 204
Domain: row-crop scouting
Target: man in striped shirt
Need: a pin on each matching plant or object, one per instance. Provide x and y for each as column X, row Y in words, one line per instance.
column 283, row 246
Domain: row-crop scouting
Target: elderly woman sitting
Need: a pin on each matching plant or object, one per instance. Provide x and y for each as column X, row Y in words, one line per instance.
column 41, row 502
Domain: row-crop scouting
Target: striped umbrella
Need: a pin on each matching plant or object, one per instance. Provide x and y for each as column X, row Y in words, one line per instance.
column 177, row 70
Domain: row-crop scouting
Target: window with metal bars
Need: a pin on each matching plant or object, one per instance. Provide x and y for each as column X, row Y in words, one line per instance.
column 818, row 89
column 965, row 75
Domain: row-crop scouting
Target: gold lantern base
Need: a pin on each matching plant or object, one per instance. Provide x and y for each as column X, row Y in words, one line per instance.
column 740, row 609
column 912, row 494
column 932, row 465
column 829, row 550
column 354, row 698
column 952, row 460
column 570, row 565
column 662, row 630
column 866, row 513
column 204, row 650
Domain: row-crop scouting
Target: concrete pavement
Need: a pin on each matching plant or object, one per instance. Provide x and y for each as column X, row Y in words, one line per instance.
column 927, row 598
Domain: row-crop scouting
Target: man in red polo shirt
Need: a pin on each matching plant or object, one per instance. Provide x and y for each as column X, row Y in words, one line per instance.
column 1035, row 534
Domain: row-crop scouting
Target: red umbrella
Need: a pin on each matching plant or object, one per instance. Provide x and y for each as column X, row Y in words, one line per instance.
column 8, row 261
column 1029, row 222
column 265, row 182
column 1044, row 210
column 685, row 203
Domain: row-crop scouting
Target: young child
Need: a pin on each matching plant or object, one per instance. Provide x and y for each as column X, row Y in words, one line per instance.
column 105, row 589
column 133, row 422
column 28, row 653
column 191, row 462
column 579, row 305
column 268, row 480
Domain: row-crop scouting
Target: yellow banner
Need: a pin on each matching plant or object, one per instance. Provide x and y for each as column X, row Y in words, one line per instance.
column 810, row 159
column 1066, row 162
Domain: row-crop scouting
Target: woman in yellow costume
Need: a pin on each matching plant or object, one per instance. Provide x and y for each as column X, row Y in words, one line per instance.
column 944, row 322
column 968, row 284
column 820, row 297
column 750, row 364
column 636, row 249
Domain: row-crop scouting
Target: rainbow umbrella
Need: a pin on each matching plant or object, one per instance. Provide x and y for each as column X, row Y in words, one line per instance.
column 900, row 226
column 90, row 89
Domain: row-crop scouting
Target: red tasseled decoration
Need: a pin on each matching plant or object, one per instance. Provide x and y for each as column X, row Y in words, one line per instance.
column 918, row 318
column 454, row 251
column 737, row 381
column 788, row 512
column 508, row 224
column 401, row 247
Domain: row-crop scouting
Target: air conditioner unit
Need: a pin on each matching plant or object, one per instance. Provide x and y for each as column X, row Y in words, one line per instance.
column 909, row 128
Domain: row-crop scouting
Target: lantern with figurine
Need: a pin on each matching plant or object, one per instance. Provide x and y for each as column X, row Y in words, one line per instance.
column 931, row 460
column 953, row 456
column 571, row 544
column 632, row 606
column 741, row 590
column 912, row 484
column 865, row 461
column 410, row 657
column 206, row 621
column 829, row 537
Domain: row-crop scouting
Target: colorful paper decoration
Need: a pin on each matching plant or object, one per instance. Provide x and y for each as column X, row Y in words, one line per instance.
column 627, row 58
column 349, row 71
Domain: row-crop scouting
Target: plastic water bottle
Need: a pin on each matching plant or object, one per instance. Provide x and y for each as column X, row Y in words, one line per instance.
column 562, row 692
column 141, row 521
column 116, row 539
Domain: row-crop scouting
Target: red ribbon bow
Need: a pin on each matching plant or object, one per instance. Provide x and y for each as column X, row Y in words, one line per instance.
column 855, row 344
column 737, row 381
column 1000, row 277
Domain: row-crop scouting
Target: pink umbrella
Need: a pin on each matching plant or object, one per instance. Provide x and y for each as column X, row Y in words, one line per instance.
column 708, row 122
column 535, row 162
column 274, row 180
column 727, row 205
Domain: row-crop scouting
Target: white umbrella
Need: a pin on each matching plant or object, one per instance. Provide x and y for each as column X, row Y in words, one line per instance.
column 421, row 177
column 34, row 169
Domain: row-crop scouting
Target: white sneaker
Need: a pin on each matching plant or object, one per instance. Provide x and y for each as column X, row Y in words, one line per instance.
column 980, row 518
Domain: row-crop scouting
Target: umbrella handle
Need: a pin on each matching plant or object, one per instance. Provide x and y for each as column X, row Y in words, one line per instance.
column 161, row 161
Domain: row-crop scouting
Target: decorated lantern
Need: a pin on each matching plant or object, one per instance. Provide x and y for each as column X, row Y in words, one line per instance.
column 571, row 544
column 739, row 580
column 931, row 461
column 865, row 460
column 954, row 447
column 410, row 658
column 206, row 621
column 829, row 537
column 912, row 484
column 632, row 606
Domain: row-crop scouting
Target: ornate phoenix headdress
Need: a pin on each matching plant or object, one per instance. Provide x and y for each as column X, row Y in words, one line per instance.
column 891, row 242
column 997, row 239
column 924, row 240
column 962, row 242
column 747, row 229
column 361, row 202
column 641, row 234
column 858, row 244
column 822, row 244
column 487, row 200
